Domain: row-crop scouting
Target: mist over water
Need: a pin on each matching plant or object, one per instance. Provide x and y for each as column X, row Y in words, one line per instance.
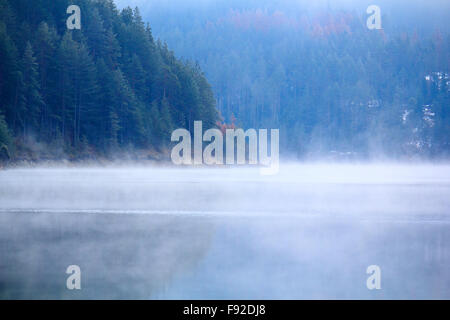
column 97, row 82
column 211, row 233
column 362, row 190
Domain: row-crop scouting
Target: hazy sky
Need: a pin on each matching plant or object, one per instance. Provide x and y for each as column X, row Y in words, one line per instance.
column 436, row 12
column 317, row 3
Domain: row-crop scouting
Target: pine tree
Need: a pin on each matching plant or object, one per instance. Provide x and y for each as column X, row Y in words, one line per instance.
column 98, row 37
column 30, row 99
column 5, row 140
column 155, row 124
column 9, row 75
column 45, row 44
column 136, row 76
column 166, row 125
column 85, row 83
column 65, row 93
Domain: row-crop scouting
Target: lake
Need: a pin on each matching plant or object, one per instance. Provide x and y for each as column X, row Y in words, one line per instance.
column 309, row 232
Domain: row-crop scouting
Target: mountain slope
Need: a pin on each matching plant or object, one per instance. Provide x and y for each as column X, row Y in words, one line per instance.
column 106, row 88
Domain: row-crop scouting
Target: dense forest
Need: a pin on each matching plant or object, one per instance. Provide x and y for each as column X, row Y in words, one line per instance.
column 314, row 70
column 334, row 88
column 106, row 89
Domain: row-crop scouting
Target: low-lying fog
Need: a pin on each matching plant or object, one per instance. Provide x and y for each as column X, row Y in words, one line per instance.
column 310, row 231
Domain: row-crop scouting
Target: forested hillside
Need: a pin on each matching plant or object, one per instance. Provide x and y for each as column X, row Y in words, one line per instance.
column 332, row 86
column 106, row 88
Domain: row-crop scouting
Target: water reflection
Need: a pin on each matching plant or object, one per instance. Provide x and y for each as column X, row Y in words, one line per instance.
column 120, row 256
column 145, row 233
column 321, row 259
column 167, row 257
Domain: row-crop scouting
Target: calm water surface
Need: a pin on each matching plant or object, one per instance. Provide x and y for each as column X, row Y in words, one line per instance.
column 163, row 233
